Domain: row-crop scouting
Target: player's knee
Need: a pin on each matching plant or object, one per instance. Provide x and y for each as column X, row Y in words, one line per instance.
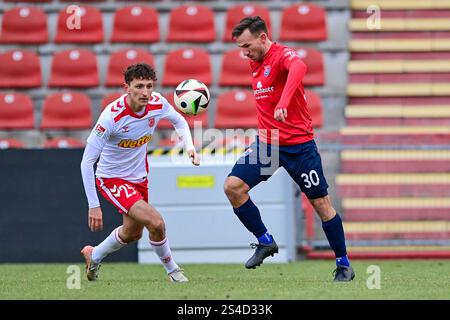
column 234, row 187
column 157, row 225
column 323, row 208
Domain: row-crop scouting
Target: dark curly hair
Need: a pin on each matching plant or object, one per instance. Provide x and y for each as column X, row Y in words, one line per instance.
column 139, row 71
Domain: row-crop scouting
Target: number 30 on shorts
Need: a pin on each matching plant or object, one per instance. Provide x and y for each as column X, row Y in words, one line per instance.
column 311, row 179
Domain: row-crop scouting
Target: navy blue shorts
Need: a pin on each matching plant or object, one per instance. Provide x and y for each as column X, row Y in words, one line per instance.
column 301, row 161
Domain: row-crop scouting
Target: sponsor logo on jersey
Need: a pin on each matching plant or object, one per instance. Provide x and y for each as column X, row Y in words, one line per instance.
column 260, row 89
column 129, row 143
column 99, row 130
column 291, row 54
column 125, row 129
column 267, row 71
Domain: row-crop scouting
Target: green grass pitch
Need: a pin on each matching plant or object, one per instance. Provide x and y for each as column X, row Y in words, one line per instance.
column 400, row 279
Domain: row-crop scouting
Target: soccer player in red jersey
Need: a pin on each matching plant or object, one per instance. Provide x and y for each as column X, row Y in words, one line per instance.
column 285, row 138
column 120, row 139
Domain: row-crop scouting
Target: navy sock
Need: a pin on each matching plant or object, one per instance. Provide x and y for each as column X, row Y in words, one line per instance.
column 249, row 215
column 342, row 261
column 266, row 238
column 335, row 235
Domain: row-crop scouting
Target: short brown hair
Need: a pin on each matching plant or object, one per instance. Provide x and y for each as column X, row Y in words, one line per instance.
column 256, row 25
column 139, row 71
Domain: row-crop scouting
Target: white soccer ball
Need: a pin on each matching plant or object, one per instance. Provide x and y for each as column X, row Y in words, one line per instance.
column 191, row 97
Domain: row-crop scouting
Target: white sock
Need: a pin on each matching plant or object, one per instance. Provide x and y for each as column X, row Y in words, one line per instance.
column 109, row 245
column 162, row 249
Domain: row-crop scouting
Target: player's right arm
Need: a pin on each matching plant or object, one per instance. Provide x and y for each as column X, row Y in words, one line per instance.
column 95, row 143
column 296, row 69
column 95, row 216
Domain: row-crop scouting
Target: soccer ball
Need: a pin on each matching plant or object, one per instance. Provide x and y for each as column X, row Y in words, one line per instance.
column 191, row 97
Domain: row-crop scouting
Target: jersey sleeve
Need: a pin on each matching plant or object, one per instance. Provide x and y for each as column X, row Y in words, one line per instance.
column 95, row 143
column 296, row 69
column 101, row 131
column 90, row 156
column 288, row 56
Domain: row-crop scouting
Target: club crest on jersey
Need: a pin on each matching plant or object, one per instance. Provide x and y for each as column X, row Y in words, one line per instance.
column 126, row 129
column 99, row 130
column 267, row 71
column 151, row 122
column 129, row 143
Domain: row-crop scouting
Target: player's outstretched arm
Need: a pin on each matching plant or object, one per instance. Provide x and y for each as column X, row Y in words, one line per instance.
column 195, row 158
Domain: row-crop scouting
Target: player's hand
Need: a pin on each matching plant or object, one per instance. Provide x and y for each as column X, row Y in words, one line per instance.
column 194, row 157
column 95, row 219
column 280, row 114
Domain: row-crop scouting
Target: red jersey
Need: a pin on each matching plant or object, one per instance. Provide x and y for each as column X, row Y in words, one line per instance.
column 269, row 80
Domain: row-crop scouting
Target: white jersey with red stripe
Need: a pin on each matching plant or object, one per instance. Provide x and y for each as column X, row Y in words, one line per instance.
column 122, row 137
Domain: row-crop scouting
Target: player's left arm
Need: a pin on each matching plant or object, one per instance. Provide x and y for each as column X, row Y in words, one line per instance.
column 296, row 72
column 182, row 128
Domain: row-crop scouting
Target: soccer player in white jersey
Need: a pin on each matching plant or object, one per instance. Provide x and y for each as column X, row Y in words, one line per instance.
column 120, row 139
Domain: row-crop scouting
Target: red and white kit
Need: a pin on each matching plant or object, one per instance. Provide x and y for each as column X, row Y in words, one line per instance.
column 120, row 139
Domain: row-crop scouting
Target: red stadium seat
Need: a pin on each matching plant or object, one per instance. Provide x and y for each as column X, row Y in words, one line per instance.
column 82, row 0
column 135, row 24
column 172, row 142
column 308, row 213
column 187, row 63
column 235, row 69
column 36, row 1
column 68, row 110
column 191, row 120
column 20, row 69
column 83, row 25
column 236, row 109
column 10, row 143
column 315, row 108
column 120, row 60
column 16, row 111
column 63, row 143
column 167, row 142
column 107, row 99
column 201, row 118
column 24, row 25
column 191, row 23
column 74, row 68
column 303, row 22
column 238, row 12
column 314, row 61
